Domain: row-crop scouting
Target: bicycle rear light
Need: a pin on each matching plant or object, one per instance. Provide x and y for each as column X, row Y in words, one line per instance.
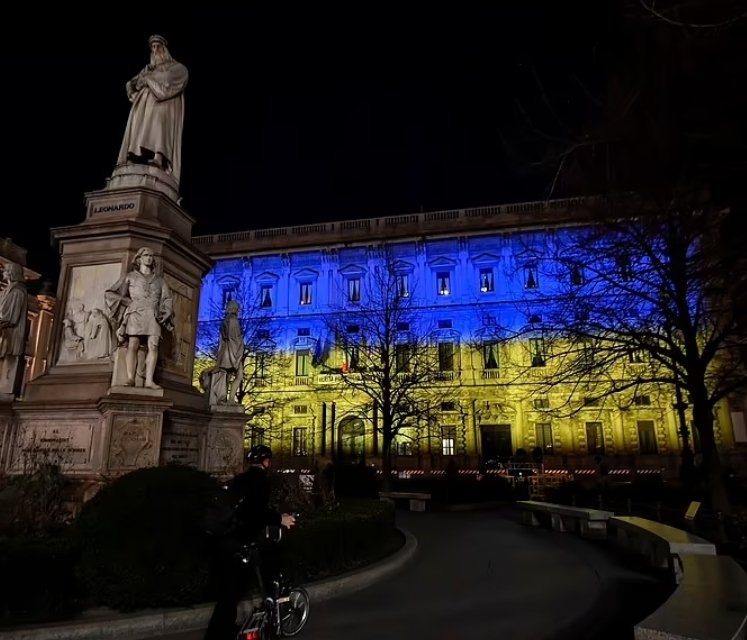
column 250, row 634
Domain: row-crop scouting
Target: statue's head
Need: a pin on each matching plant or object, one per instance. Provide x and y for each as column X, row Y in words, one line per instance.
column 13, row 272
column 159, row 52
column 144, row 256
column 232, row 306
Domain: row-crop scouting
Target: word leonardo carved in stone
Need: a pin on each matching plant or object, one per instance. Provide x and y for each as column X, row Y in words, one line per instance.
column 108, row 208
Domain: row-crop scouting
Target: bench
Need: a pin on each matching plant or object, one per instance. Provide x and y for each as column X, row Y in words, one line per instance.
column 591, row 523
column 417, row 500
column 658, row 543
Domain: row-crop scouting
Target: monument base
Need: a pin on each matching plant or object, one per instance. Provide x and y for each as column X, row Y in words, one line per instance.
column 130, row 175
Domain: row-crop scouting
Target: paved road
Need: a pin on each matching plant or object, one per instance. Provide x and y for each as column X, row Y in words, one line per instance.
column 482, row 575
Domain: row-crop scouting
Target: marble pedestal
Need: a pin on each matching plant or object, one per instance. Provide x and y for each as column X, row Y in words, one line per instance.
column 72, row 413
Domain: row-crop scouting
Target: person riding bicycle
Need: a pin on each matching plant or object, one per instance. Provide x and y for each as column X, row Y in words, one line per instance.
column 253, row 514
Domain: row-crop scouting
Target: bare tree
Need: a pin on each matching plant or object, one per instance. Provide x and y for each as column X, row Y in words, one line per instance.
column 391, row 357
column 633, row 303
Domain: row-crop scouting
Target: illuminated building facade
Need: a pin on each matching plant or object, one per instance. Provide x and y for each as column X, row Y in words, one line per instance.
column 464, row 272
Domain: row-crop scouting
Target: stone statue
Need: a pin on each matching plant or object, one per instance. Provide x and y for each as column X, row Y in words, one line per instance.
column 231, row 349
column 139, row 305
column 229, row 361
column 154, row 128
column 13, row 314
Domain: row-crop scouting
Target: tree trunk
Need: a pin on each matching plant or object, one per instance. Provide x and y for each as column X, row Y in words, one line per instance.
column 713, row 472
column 386, row 461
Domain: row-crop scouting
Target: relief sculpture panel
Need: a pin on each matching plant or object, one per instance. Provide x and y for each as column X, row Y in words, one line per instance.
column 225, row 449
column 87, row 335
column 135, row 441
column 178, row 345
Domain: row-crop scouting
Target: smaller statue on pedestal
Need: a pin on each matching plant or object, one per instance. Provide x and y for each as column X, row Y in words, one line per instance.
column 13, row 313
column 229, row 362
column 140, row 305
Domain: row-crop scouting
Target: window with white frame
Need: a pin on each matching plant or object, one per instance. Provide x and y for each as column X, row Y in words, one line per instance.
column 448, row 441
column 304, row 293
column 443, row 283
column 487, row 282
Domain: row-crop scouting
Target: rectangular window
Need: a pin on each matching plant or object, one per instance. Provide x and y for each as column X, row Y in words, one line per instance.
column 403, row 355
column 403, row 285
column 265, row 296
column 541, row 403
column 642, row 401
column 543, row 432
column 531, row 281
column 404, row 448
column 257, row 436
column 448, row 441
column 637, row 356
column 577, row 275
column 594, row 438
column 303, row 362
column 261, row 369
column 229, row 293
column 443, row 285
column 299, row 441
column 352, row 358
column 446, row 356
column 304, row 293
column 647, row 437
column 354, row 290
column 487, row 284
column 537, row 351
column 490, row 355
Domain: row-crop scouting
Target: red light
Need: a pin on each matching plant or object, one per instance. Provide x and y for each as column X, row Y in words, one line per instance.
column 251, row 634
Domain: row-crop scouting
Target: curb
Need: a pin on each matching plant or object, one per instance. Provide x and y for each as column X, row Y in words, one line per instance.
column 166, row 621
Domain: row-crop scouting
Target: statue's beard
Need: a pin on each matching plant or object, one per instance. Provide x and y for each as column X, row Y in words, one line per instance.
column 159, row 58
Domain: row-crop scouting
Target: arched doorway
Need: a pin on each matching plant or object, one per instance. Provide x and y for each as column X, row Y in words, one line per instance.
column 351, row 440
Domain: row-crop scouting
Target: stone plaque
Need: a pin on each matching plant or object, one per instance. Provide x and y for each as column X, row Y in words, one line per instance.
column 225, row 449
column 180, row 446
column 179, row 344
column 86, row 334
column 135, row 441
column 67, row 444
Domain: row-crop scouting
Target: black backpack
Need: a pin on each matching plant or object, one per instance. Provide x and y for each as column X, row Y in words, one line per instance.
column 219, row 516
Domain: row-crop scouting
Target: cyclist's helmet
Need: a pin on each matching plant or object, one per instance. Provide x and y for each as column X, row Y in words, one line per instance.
column 258, row 453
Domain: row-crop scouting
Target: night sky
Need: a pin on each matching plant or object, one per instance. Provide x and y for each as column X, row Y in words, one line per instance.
column 293, row 114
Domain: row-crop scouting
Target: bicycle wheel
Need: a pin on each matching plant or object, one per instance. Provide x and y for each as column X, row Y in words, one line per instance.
column 294, row 611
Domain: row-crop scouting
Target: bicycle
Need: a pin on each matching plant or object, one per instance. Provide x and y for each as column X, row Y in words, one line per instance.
column 280, row 615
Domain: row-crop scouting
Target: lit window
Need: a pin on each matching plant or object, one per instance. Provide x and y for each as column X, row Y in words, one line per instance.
column 299, row 441
column 486, row 281
column 442, row 283
column 305, row 293
column 448, row 441
column 403, row 285
column 354, row 290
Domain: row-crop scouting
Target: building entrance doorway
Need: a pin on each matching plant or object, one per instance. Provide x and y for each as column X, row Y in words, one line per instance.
column 496, row 444
column 351, row 440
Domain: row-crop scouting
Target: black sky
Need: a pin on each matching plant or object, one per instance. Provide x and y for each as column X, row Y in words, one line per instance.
column 293, row 114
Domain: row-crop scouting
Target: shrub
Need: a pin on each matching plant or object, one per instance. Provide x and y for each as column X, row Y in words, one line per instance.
column 358, row 532
column 38, row 579
column 139, row 542
column 356, row 481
